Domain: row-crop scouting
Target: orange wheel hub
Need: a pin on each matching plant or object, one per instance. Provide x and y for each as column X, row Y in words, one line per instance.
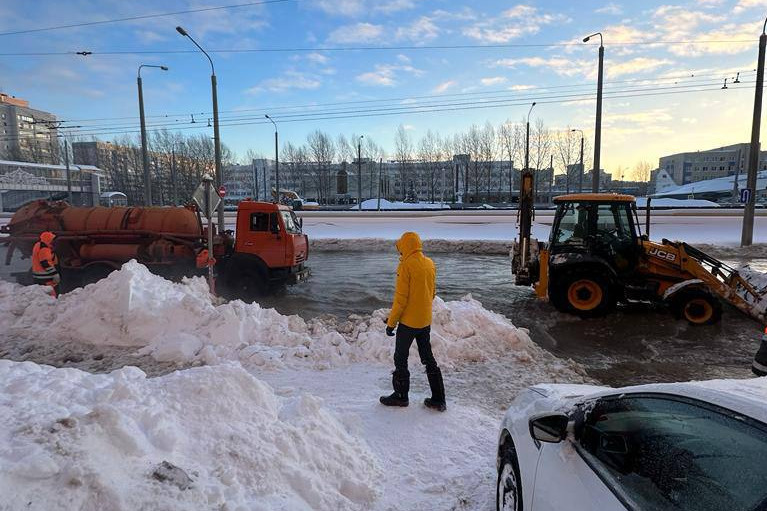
column 585, row 294
column 698, row 311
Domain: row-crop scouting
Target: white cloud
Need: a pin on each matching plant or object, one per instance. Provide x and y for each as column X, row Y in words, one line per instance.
column 442, row 87
column 559, row 65
column 611, row 8
column 493, row 80
column 634, row 66
column 357, row 33
column 291, row 79
column 408, row 127
column 421, row 30
column 521, row 87
column 385, row 75
column 744, row 5
column 356, row 8
column 513, row 23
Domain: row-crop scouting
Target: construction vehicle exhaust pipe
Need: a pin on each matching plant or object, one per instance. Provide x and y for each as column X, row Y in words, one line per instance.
column 759, row 366
column 647, row 217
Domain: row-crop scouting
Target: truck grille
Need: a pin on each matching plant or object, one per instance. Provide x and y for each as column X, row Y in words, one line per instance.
column 300, row 258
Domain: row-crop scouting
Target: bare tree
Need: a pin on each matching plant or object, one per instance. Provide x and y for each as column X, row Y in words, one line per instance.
column 511, row 141
column 567, row 153
column 322, row 151
column 430, row 152
column 486, row 154
column 403, row 151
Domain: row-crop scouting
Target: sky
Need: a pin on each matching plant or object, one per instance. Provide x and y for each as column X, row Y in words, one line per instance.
column 660, row 98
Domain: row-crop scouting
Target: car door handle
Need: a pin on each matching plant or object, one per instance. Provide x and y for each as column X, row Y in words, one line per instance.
column 249, row 243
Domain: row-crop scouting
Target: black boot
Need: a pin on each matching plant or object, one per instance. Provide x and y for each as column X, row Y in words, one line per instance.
column 437, row 399
column 401, row 383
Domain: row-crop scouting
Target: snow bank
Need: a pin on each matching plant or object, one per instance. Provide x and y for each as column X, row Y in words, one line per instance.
column 372, row 204
column 665, row 202
column 485, row 247
column 179, row 322
column 203, row 438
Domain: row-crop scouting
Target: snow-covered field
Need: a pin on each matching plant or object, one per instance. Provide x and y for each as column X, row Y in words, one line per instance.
column 264, row 412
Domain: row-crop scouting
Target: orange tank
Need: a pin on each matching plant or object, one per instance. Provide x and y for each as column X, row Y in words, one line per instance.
column 152, row 234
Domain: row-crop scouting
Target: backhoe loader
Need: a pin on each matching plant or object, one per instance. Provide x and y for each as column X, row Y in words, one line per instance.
column 596, row 257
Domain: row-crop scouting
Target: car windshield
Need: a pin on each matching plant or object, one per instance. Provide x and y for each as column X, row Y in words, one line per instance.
column 573, row 224
column 291, row 222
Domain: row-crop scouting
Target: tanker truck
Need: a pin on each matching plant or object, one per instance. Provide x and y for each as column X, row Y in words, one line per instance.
column 268, row 250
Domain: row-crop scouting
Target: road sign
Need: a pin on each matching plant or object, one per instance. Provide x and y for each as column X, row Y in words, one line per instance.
column 205, row 196
column 745, row 195
column 222, row 191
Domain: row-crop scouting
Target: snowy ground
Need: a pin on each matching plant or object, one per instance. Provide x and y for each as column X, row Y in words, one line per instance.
column 264, row 411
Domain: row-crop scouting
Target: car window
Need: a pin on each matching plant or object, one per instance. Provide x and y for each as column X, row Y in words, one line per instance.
column 659, row 452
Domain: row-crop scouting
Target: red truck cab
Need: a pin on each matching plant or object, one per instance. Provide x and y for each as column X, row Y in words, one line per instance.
column 269, row 248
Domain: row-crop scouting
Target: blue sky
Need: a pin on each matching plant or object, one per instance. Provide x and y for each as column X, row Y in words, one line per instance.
column 679, row 118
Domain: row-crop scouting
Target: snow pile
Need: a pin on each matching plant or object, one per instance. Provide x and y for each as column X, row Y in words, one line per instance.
column 372, row 204
column 666, row 202
column 758, row 281
column 203, row 438
column 178, row 322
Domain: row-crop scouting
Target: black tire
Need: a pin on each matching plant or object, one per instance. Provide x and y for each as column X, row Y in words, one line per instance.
column 246, row 285
column 586, row 293
column 508, row 487
column 697, row 305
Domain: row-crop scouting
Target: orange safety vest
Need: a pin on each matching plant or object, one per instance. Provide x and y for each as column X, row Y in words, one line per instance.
column 202, row 259
column 44, row 261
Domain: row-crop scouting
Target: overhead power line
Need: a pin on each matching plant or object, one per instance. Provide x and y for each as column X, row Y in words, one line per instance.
column 321, row 49
column 140, row 17
column 324, row 116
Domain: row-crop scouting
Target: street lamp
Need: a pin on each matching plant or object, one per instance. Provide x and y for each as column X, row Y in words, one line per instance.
column 359, row 172
column 580, row 177
column 598, row 129
column 144, row 152
column 276, row 157
column 216, row 137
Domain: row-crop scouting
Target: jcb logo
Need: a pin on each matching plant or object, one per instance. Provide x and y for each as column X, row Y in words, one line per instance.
column 662, row 254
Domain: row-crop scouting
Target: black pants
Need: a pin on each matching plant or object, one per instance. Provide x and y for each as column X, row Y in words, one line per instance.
column 405, row 336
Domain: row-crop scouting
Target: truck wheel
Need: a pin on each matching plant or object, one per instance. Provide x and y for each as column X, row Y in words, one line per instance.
column 583, row 293
column 697, row 305
column 246, row 285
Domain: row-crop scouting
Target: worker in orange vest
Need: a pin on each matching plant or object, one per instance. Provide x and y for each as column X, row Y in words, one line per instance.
column 44, row 263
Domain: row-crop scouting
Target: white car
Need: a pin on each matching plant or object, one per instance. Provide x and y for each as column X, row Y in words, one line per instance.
column 682, row 446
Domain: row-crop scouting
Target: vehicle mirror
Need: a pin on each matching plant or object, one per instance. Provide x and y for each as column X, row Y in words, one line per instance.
column 613, row 444
column 549, row 427
column 301, row 223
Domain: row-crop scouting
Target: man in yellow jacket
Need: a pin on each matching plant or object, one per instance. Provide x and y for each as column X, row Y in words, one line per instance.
column 413, row 296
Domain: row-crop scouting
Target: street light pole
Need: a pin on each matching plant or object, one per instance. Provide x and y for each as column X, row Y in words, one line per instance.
column 527, row 139
column 598, row 128
column 359, row 172
column 747, row 235
column 144, row 151
column 580, row 174
column 216, row 136
column 276, row 158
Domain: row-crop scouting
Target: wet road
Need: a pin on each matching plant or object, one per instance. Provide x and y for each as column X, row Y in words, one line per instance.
column 634, row 345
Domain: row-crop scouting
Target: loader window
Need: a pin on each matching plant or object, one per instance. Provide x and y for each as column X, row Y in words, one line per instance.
column 613, row 220
column 573, row 224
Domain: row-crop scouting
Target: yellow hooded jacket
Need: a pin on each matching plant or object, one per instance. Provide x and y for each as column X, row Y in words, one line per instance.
column 416, row 284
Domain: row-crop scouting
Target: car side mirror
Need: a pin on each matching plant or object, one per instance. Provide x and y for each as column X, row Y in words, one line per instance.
column 549, row 427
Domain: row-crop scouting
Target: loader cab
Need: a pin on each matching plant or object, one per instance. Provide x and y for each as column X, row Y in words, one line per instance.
column 600, row 226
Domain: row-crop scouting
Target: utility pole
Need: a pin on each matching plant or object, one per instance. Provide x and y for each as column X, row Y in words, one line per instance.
column 598, row 128
column 747, row 236
column 255, row 180
column 551, row 177
column 173, row 188
column 276, row 158
column 144, row 149
column 511, row 179
column 380, row 181
column 69, row 173
column 359, row 172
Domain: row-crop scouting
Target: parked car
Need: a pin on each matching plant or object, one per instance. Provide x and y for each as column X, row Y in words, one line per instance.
column 681, row 446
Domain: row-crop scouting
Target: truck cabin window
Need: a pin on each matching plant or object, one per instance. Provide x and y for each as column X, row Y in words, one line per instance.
column 573, row 224
column 259, row 222
column 291, row 222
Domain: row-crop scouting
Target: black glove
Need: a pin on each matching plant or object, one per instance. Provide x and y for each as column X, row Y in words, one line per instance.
column 390, row 331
